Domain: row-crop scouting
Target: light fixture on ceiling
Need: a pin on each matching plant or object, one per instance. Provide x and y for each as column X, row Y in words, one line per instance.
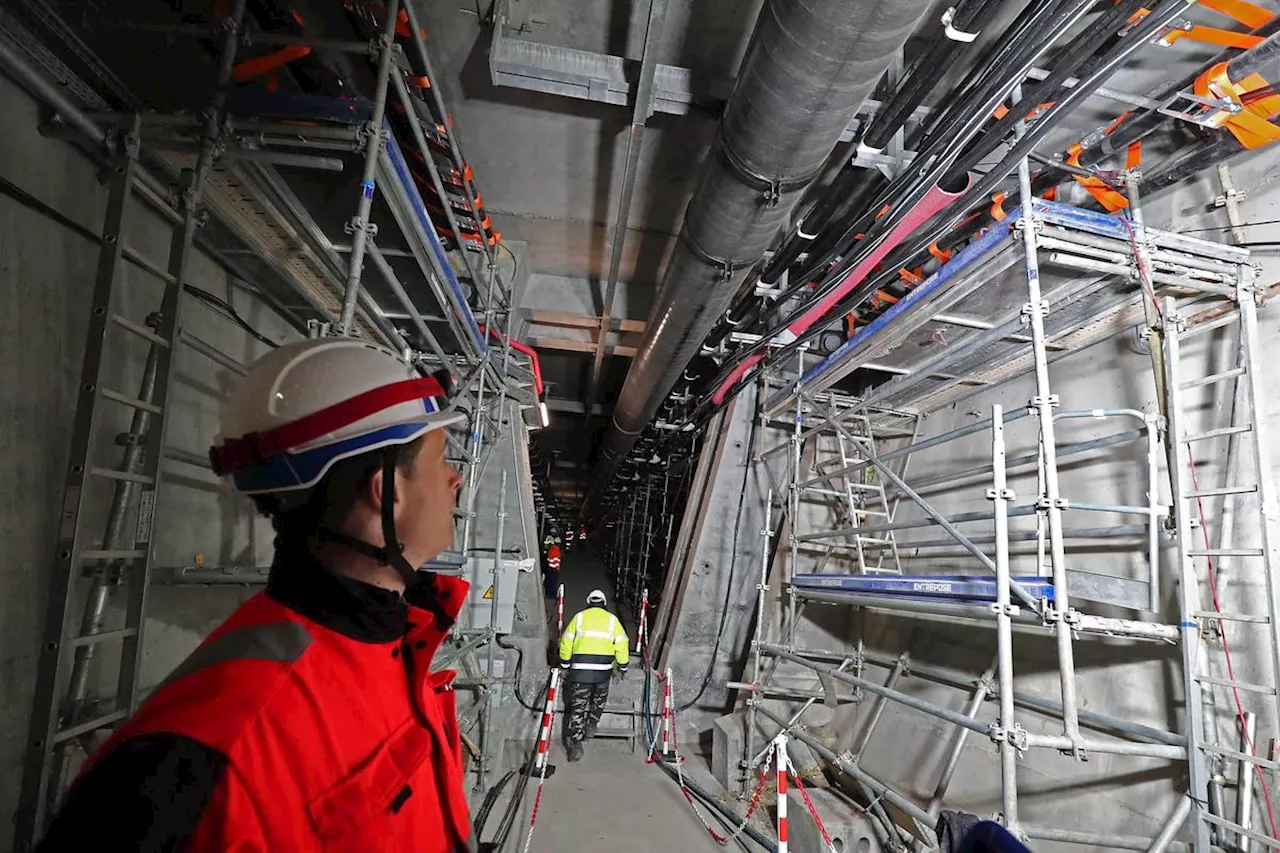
column 542, row 413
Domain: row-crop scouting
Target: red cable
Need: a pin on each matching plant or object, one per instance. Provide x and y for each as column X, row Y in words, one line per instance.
column 519, row 347
column 1226, row 649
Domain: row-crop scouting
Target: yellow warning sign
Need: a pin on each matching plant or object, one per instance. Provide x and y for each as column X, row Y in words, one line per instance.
column 488, row 593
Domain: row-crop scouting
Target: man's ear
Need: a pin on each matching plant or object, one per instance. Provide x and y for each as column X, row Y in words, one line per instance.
column 373, row 491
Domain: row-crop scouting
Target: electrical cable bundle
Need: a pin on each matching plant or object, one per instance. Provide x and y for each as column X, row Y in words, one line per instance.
column 940, row 163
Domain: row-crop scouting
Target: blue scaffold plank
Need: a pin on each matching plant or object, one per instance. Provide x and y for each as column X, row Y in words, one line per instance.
column 1077, row 218
column 947, row 587
column 293, row 105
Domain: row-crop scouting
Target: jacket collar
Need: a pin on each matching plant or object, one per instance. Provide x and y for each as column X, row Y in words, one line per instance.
column 361, row 611
column 434, row 604
column 354, row 609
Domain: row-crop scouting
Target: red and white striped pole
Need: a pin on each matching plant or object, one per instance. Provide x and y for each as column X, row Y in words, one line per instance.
column 780, row 755
column 544, row 744
column 560, row 610
column 548, row 719
column 644, row 618
column 666, row 714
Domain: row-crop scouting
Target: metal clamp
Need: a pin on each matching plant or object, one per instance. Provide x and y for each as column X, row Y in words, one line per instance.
column 1009, row 610
column 358, row 224
column 1029, row 308
column 1016, row 736
column 1037, row 401
column 1200, row 110
column 951, row 32
column 1000, row 494
column 1043, row 502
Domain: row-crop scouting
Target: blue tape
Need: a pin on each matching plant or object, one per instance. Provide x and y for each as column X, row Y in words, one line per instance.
column 420, row 211
column 366, row 189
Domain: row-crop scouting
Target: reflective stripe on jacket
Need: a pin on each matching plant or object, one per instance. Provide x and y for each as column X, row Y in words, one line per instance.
column 592, row 643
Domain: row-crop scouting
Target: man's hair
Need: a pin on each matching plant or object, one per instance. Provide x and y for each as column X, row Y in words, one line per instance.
column 298, row 515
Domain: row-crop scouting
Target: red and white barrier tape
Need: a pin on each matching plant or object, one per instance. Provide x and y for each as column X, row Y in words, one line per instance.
column 544, row 747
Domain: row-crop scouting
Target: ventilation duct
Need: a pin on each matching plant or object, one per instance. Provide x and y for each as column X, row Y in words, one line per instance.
column 810, row 66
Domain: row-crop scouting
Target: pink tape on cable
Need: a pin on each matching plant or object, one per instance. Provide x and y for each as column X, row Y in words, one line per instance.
column 934, row 201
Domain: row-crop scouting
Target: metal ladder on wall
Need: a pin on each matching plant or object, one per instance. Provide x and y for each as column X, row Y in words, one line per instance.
column 87, row 568
column 867, row 500
column 1209, row 630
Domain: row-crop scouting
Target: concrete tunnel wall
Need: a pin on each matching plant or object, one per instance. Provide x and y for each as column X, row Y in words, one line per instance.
column 46, row 280
column 1136, row 681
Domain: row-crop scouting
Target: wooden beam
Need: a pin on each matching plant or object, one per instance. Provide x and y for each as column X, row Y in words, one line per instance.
column 566, row 345
column 575, row 407
column 566, row 320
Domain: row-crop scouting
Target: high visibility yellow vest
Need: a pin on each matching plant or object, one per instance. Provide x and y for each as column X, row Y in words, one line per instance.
column 593, row 641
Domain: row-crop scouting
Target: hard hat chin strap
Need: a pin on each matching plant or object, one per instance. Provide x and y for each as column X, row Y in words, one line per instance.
column 392, row 552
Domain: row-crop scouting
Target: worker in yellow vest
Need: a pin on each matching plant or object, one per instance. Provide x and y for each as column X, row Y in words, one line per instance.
column 592, row 644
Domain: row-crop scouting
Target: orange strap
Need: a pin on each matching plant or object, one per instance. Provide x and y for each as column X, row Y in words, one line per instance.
column 1251, row 126
column 1133, row 158
column 251, row 69
column 1050, row 194
column 1110, row 200
column 997, row 207
column 1249, row 14
column 1213, row 35
column 943, row 255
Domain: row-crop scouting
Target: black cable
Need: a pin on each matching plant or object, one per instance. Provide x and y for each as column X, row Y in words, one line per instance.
column 519, row 666
column 976, row 192
column 733, row 562
column 490, row 800
column 517, row 796
column 30, row 202
column 722, row 812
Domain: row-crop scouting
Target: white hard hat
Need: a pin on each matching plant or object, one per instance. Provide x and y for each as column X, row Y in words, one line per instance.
column 306, row 405
column 596, row 596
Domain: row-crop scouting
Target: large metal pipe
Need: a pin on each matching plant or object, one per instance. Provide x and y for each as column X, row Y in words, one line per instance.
column 810, row 66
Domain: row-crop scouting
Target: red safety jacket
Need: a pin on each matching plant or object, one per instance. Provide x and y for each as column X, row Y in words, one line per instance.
column 553, row 557
column 321, row 741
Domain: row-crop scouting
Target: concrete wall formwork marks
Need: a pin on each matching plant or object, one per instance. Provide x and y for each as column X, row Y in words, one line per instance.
column 46, row 279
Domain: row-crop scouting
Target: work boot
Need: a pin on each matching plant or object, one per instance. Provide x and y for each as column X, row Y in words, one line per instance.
column 575, row 751
column 591, row 731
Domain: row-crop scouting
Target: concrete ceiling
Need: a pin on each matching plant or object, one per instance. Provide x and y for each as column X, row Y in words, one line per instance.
column 550, row 167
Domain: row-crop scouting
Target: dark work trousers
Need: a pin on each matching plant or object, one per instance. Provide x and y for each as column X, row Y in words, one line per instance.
column 584, row 703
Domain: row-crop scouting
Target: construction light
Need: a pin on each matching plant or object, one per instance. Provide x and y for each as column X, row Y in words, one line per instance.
column 542, row 413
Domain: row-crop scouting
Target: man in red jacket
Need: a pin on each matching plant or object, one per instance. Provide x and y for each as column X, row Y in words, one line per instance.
column 310, row 720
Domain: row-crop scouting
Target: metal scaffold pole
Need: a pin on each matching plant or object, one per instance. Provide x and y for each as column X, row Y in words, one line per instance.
column 1044, row 402
column 360, row 227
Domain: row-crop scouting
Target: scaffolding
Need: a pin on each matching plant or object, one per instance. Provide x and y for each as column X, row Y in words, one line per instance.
column 234, row 206
column 1045, row 283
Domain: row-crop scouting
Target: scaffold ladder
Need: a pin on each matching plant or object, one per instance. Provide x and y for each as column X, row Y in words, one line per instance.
column 868, row 502
column 1221, row 732
column 87, row 568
